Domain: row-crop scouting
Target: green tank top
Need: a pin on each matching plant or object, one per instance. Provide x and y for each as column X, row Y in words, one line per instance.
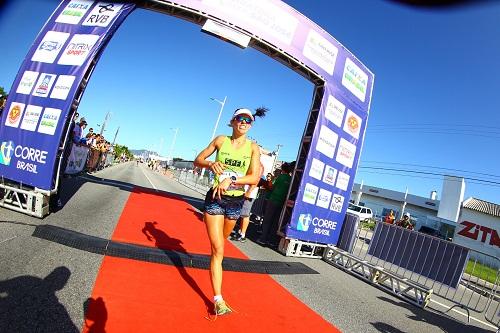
column 236, row 163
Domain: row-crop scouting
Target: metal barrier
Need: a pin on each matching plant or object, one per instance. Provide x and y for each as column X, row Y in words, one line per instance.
column 389, row 255
column 28, row 201
column 192, row 180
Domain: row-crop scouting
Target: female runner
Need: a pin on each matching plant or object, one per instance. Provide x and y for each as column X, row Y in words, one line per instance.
column 236, row 164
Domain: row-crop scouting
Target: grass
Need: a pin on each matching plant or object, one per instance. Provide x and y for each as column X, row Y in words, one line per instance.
column 481, row 271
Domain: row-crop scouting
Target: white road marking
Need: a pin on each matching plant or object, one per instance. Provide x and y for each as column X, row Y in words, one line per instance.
column 8, row 239
column 149, row 179
column 464, row 314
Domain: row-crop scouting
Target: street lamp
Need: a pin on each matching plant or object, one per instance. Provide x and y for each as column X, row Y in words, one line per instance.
column 172, row 144
column 222, row 103
column 220, row 113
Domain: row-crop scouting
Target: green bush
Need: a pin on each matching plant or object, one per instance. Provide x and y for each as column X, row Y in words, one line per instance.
column 368, row 224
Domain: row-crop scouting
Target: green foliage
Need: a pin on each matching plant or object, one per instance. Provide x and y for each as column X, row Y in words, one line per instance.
column 119, row 149
column 2, row 92
column 368, row 224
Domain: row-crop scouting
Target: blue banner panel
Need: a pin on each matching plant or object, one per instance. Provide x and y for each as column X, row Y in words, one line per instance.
column 348, row 233
column 328, row 177
column 46, row 87
column 435, row 258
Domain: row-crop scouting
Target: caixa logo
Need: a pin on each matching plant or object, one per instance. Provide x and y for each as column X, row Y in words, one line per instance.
column 27, row 157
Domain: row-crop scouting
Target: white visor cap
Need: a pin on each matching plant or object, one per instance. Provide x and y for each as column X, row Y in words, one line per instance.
column 243, row 111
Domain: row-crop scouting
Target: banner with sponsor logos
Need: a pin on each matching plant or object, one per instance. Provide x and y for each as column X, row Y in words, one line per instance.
column 37, row 110
column 77, row 159
column 329, row 173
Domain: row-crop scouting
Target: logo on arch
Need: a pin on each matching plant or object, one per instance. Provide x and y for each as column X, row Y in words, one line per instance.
column 6, row 149
column 304, row 222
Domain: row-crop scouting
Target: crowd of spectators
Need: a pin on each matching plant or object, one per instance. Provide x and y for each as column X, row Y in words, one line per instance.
column 98, row 146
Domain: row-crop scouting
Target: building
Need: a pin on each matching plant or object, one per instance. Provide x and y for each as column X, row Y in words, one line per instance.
column 473, row 223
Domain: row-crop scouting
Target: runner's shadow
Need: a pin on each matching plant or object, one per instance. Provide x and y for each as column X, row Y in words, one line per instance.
column 95, row 312
column 171, row 246
column 29, row 304
column 386, row 328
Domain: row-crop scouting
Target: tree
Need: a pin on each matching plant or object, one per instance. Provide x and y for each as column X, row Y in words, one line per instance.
column 119, row 150
column 2, row 92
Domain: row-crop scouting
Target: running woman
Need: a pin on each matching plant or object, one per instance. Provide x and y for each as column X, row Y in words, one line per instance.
column 236, row 164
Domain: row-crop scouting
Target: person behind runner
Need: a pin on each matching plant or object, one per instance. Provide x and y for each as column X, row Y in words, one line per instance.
column 251, row 192
column 275, row 204
column 236, row 165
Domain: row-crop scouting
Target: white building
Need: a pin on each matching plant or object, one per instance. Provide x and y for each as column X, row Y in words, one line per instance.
column 473, row 223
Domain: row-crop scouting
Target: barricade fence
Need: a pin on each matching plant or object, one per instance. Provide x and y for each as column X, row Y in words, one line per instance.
column 454, row 275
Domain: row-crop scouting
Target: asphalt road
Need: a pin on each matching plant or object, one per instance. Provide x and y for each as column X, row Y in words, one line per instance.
column 45, row 285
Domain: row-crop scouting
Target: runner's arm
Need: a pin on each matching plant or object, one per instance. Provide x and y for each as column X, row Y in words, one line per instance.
column 201, row 159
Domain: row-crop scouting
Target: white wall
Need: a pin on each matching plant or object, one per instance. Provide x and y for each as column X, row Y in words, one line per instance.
column 452, row 196
column 482, row 243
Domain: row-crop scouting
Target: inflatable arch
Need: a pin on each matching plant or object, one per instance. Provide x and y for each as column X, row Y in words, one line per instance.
column 48, row 87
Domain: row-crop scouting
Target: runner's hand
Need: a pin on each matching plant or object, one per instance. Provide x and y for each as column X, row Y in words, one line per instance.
column 220, row 189
column 217, row 167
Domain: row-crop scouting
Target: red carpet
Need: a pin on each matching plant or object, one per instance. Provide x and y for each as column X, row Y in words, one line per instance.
column 135, row 296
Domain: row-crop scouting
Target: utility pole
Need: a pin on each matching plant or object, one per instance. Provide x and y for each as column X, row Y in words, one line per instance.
column 173, row 143
column 105, row 121
column 161, row 146
column 222, row 103
column 114, row 139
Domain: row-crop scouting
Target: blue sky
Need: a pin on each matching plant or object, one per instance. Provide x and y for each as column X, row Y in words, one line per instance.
column 434, row 109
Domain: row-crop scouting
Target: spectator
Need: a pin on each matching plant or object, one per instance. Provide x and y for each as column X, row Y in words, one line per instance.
column 277, row 197
column 390, row 217
column 78, row 130
column 405, row 222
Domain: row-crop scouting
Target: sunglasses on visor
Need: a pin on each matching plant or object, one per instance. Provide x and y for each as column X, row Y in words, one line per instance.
column 246, row 119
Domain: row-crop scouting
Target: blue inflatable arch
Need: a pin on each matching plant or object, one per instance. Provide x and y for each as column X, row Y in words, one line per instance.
column 49, row 85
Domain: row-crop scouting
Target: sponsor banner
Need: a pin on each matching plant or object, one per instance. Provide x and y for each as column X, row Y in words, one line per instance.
column 290, row 31
column 328, row 177
column 41, row 98
column 77, row 159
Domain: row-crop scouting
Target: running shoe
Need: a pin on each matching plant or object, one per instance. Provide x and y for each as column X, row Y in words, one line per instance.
column 221, row 308
column 241, row 239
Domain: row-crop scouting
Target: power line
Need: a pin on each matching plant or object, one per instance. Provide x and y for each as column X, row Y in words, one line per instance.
column 386, row 131
column 428, row 173
column 421, row 177
column 432, row 167
column 435, row 125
